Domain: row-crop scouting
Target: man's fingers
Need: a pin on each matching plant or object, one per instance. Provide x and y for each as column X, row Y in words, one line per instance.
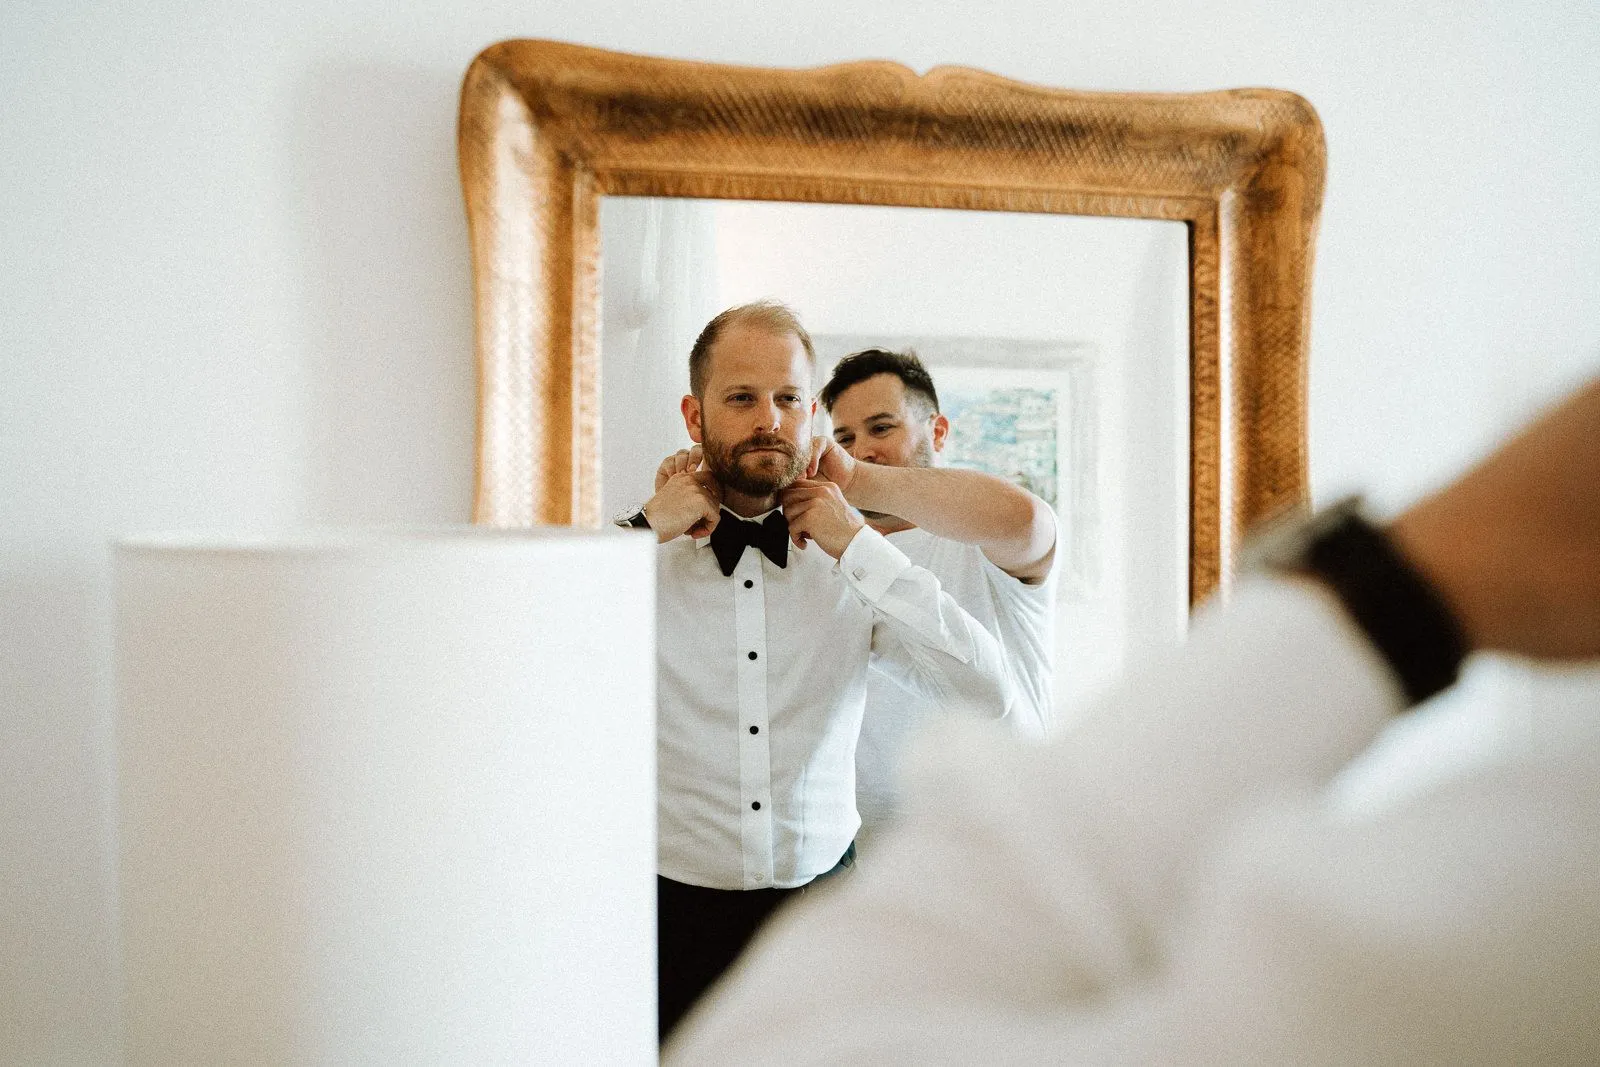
column 710, row 504
column 684, row 459
column 834, row 464
column 819, row 445
column 707, row 521
column 709, row 486
column 666, row 470
column 804, row 489
column 798, row 512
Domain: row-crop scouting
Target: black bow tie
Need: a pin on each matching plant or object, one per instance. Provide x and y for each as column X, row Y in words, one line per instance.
column 770, row 535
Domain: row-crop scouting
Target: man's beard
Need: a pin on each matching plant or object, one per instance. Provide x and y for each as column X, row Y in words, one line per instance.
column 764, row 477
column 921, row 456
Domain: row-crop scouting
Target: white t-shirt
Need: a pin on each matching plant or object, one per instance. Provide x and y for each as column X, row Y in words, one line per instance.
column 761, row 681
column 1020, row 616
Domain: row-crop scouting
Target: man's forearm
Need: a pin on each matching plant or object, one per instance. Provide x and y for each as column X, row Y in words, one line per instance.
column 1011, row 525
column 1513, row 545
column 923, row 639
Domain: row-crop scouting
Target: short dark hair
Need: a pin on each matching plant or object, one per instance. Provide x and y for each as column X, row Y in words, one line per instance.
column 765, row 314
column 871, row 362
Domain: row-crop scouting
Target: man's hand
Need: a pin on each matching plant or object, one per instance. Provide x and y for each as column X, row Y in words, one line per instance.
column 1514, row 545
column 830, row 461
column 688, row 499
column 817, row 512
column 684, row 459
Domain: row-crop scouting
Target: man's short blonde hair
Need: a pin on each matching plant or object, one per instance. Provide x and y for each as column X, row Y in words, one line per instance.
column 762, row 314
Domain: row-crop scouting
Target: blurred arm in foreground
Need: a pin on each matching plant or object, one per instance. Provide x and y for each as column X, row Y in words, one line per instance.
column 1167, row 884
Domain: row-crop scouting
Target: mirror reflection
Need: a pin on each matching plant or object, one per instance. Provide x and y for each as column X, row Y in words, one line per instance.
column 1058, row 345
column 903, row 465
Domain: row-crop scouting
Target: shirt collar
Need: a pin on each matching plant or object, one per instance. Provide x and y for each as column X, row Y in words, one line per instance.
column 701, row 542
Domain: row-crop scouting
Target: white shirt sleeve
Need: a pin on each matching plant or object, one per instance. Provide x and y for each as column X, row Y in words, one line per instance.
column 1025, row 621
column 1163, row 885
column 922, row 638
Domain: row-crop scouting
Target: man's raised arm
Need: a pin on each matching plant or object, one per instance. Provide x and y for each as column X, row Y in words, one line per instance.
column 1015, row 529
column 922, row 639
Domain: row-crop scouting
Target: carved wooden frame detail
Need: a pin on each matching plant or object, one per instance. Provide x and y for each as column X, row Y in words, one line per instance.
column 547, row 128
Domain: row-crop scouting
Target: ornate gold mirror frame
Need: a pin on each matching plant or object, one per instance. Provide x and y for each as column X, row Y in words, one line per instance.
column 547, row 128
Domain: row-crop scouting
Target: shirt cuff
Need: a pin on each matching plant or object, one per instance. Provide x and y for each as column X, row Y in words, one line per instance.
column 870, row 564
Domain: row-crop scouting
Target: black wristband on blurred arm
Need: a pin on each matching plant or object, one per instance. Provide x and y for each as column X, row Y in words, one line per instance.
column 1393, row 603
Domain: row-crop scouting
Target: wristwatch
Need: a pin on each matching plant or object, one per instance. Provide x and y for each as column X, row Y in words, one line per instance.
column 632, row 517
column 1393, row 603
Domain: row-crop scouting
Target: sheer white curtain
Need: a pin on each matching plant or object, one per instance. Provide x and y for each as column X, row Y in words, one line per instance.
column 659, row 287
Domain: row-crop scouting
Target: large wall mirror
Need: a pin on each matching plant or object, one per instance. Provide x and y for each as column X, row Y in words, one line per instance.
column 1111, row 288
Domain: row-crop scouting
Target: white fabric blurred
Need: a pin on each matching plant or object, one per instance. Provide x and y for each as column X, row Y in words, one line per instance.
column 1173, row 882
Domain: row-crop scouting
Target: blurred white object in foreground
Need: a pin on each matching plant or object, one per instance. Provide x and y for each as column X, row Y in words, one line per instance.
column 388, row 796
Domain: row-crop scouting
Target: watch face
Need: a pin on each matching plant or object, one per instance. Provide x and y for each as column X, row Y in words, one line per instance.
column 1281, row 543
column 633, row 517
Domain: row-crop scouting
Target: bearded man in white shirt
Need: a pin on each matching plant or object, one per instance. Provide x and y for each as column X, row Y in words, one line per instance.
column 1172, row 882
column 990, row 543
column 763, row 651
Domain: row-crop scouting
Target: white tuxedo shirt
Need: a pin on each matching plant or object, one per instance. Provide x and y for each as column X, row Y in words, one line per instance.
column 761, row 682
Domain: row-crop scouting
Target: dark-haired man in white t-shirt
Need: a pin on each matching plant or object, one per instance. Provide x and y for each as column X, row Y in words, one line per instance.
column 990, row 543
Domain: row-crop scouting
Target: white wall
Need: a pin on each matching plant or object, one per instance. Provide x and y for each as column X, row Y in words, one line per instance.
column 234, row 292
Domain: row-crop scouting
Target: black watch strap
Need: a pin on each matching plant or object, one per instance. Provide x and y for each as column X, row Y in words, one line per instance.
column 1393, row 603
column 634, row 519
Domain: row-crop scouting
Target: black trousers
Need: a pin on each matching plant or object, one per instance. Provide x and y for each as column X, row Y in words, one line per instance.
column 700, row 932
